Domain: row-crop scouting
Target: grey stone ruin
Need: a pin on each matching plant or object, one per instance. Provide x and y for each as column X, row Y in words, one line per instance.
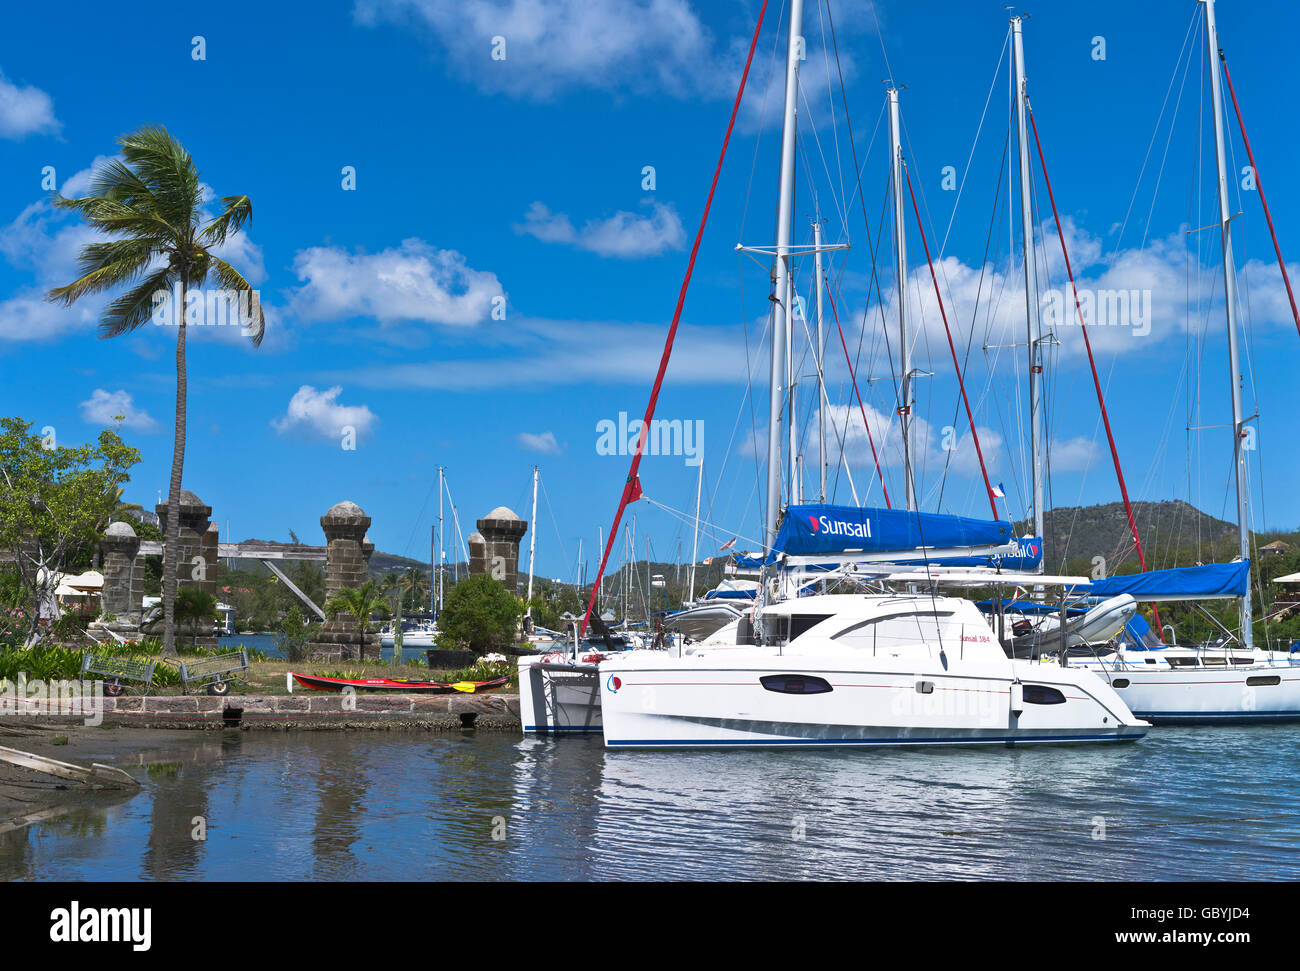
column 494, row 549
column 347, row 564
column 196, row 564
column 123, row 583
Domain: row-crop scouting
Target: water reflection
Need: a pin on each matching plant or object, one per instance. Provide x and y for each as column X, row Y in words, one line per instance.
column 409, row 806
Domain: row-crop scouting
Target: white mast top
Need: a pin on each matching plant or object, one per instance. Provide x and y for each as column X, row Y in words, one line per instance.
column 781, row 272
column 1031, row 285
column 1230, row 298
column 900, row 263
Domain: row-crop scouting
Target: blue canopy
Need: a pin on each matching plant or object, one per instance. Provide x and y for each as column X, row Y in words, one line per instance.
column 1139, row 636
column 812, row 530
column 1216, row 581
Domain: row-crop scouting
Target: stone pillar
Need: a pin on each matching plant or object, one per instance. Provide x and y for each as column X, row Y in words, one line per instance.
column 119, row 547
column 346, row 566
column 501, row 531
column 196, row 562
column 478, row 556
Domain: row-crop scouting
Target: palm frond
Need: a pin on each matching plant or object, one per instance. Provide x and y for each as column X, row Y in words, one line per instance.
column 113, row 216
column 135, row 308
column 232, row 279
column 114, row 180
column 237, row 213
column 165, row 167
column 105, row 265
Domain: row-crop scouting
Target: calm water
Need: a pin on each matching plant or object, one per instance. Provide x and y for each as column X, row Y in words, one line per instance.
column 266, row 643
column 383, row 805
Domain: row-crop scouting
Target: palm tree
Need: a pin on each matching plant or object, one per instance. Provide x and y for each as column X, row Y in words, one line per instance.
column 412, row 587
column 360, row 602
column 149, row 204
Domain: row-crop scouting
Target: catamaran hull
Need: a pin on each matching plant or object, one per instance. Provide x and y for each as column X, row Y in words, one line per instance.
column 1198, row 696
column 558, row 697
column 723, row 705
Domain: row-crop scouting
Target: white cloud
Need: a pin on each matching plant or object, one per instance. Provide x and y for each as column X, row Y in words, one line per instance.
column 412, row 282
column 553, row 46
column 534, row 352
column 621, row 46
column 625, row 235
column 103, row 407
column 1073, row 454
column 25, row 111
column 319, row 413
column 544, row 443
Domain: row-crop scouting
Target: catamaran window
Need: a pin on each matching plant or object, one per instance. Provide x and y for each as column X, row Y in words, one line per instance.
column 1120, row 683
column 802, row 623
column 1182, row 662
column 795, row 684
column 925, row 687
column 1041, row 694
column 1214, row 660
column 903, row 630
column 1263, row 681
column 1243, row 660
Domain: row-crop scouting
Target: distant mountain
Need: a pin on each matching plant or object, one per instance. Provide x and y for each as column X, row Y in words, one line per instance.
column 381, row 563
column 1174, row 533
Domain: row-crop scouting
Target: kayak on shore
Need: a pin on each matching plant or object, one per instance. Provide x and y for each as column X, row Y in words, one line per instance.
column 317, row 683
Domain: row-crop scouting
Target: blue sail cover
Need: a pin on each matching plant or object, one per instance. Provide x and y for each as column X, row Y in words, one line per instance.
column 814, row 530
column 1214, row 581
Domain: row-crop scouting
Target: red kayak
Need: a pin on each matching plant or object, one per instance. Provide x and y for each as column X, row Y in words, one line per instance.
column 404, row 687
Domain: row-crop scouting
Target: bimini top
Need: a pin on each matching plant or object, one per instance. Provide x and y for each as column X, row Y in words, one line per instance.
column 818, row 530
column 1214, row 581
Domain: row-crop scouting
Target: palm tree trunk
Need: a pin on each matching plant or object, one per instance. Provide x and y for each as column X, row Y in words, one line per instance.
column 172, row 547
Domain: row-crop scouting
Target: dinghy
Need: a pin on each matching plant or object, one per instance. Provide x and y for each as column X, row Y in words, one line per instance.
column 317, row 683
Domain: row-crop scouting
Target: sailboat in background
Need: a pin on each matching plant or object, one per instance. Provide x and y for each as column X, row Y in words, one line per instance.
column 1233, row 681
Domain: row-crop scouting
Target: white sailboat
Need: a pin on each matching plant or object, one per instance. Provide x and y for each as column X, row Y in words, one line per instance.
column 1235, row 682
column 829, row 669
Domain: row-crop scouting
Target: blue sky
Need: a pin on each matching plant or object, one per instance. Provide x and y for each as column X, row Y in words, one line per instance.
column 520, row 181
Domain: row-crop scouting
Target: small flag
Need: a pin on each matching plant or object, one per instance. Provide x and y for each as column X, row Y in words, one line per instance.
column 999, row 492
column 727, row 545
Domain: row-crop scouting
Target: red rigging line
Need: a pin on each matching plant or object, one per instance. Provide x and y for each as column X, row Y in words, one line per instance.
column 961, row 381
column 1092, row 363
column 1260, row 186
column 632, row 486
column 853, row 375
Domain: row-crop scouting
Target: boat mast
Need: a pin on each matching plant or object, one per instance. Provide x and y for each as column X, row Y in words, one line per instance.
column 695, row 542
column 1031, row 294
column 794, row 492
column 900, row 264
column 819, row 286
column 442, row 556
column 781, row 273
column 1230, row 297
column 532, row 547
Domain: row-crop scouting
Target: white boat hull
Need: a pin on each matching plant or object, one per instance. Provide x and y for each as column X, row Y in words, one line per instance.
column 720, row 701
column 1208, row 695
column 558, row 697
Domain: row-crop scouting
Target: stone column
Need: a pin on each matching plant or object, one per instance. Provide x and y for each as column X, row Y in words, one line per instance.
column 196, row 562
column 501, row 531
column 346, row 566
column 119, row 547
